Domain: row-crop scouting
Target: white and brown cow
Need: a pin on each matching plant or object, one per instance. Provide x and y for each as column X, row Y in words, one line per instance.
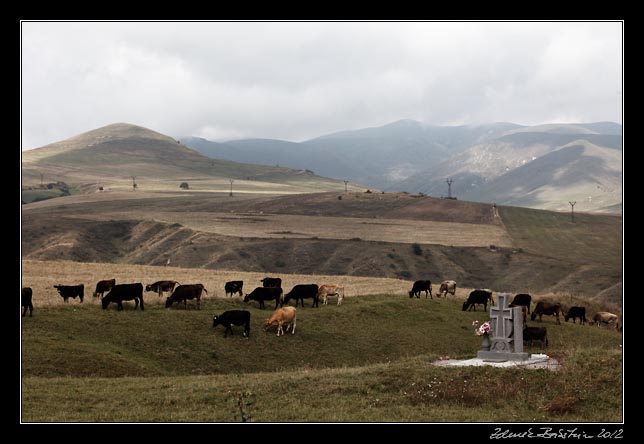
column 606, row 319
column 448, row 286
column 327, row 290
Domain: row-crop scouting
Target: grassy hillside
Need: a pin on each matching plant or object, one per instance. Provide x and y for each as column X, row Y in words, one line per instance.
column 111, row 156
column 367, row 360
column 541, row 251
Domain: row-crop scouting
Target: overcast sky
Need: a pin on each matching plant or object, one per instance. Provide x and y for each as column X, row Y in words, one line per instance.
column 296, row 81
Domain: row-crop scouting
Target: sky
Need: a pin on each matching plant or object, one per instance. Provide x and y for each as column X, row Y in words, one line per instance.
column 299, row 80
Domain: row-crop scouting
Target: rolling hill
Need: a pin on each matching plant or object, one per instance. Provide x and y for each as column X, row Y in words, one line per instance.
column 410, row 156
column 116, row 156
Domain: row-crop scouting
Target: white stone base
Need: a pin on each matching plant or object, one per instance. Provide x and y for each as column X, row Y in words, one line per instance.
column 534, row 361
column 502, row 356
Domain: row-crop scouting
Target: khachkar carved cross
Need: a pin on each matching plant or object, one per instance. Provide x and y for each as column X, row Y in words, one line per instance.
column 505, row 323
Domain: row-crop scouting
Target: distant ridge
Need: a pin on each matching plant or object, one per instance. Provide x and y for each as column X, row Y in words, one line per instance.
column 408, row 155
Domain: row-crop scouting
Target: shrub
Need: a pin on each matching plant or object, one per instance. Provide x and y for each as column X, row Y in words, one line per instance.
column 418, row 251
column 184, row 186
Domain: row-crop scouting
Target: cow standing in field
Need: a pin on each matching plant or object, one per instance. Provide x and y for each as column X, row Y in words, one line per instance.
column 161, row 287
column 185, row 292
column 124, row 292
column 547, row 308
column 26, row 297
column 233, row 287
column 477, row 297
column 270, row 282
column 301, row 292
column 261, row 294
column 233, row 317
column 103, row 286
column 71, row 291
column 576, row 312
column 535, row 334
column 447, row 287
column 280, row 317
column 330, row 290
column 605, row 318
column 523, row 299
column 419, row 286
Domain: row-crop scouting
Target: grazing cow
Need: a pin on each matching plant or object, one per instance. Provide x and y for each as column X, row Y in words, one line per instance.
column 185, row 292
column 535, row 334
column 269, row 282
column 606, row 318
column 103, row 286
column 419, row 286
column 161, row 286
column 262, row 294
column 233, row 317
column 547, row 308
column 523, row 299
column 330, row 290
column 301, row 292
column 124, row 292
column 524, row 312
column 71, row 291
column 447, row 287
column 280, row 317
column 26, row 301
column 477, row 297
column 576, row 312
column 233, row 287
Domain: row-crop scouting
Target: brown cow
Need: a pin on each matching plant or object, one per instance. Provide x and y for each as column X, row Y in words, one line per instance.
column 161, row 286
column 280, row 317
column 547, row 308
column 103, row 286
column 185, row 292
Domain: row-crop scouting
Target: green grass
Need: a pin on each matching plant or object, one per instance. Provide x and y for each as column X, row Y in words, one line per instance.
column 591, row 239
column 367, row 360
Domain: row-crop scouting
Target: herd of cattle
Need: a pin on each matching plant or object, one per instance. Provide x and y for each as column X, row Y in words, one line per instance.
column 271, row 290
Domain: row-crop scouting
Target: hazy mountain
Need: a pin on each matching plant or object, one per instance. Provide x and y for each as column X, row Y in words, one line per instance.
column 411, row 156
column 379, row 157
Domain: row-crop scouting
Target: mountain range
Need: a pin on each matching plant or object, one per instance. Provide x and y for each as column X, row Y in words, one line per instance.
column 542, row 166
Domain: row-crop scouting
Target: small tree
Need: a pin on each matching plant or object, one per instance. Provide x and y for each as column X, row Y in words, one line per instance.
column 184, row 186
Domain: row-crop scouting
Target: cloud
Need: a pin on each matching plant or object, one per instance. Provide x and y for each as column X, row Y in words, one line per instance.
column 300, row 80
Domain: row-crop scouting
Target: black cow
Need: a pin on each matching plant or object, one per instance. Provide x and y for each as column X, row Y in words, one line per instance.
column 124, row 292
column 26, row 301
column 576, row 312
column 522, row 299
column 103, row 286
column 185, row 292
column 547, row 308
column 419, row 286
column 535, row 334
column 477, row 297
column 271, row 282
column 161, row 286
column 71, row 291
column 233, row 287
column 301, row 292
column 233, row 317
column 262, row 294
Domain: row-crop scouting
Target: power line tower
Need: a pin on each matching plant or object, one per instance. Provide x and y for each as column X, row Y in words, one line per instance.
column 231, row 187
column 449, row 188
column 345, row 185
column 572, row 206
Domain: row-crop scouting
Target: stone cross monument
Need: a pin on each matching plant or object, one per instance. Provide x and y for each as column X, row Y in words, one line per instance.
column 507, row 332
